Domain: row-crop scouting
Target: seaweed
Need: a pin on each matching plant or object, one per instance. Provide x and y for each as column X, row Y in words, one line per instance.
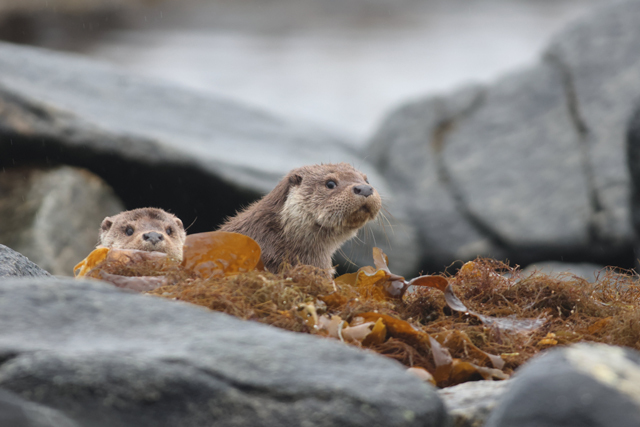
column 481, row 323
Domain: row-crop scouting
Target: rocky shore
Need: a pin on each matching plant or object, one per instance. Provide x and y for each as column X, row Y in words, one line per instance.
column 541, row 165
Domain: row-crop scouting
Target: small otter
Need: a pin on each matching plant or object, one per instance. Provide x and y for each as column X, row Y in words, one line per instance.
column 308, row 215
column 145, row 229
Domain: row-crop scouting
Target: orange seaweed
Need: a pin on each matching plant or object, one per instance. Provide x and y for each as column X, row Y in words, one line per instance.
column 220, row 253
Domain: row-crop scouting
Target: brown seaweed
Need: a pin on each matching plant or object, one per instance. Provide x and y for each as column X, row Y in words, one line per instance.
column 481, row 323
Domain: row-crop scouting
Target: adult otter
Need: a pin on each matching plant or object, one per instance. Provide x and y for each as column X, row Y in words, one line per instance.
column 308, row 215
column 145, row 229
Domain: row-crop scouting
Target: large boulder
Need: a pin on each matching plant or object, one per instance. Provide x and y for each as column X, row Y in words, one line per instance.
column 17, row 412
column 633, row 159
column 601, row 72
column 200, row 156
column 582, row 385
column 471, row 403
column 63, row 23
column 529, row 168
column 53, row 215
column 13, row 264
column 566, row 271
column 106, row 357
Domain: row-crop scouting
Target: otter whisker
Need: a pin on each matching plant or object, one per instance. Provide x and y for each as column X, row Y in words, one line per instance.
column 388, row 224
column 384, row 217
column 369, row 230
column 381, row 223
column 346, row 257
column 192, row 222
column 359, row 239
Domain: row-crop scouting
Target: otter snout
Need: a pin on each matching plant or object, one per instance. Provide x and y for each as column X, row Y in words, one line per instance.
column 153, row 237
column 363, row 190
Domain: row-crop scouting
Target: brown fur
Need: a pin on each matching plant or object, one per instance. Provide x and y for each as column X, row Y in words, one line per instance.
column 113, row 232
column 303, row 221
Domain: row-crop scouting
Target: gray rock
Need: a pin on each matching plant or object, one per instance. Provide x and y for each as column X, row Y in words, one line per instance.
column 199, row 156
column 585, row 384
column 470, row 404
column 17, row 412
column 13, row 264
column 67, row 6
column 407, row 150
column 531, row 167
column 633, row 159
column 599, row 61
column 565, row 270
column 53, row 215
column 105, row 357
column 515, row 162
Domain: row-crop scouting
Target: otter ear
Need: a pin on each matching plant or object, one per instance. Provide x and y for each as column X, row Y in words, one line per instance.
column 179, row 222
column 279, row 194
column 295, row 179
column 106, row 224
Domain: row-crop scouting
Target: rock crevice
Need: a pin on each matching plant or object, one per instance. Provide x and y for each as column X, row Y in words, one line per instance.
column 582, row 131
column 438, row 144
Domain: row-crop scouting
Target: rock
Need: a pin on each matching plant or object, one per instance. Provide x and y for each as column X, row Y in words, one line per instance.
column 602, row 78
column 53, row 215
column 64, row 6
column 524, row 183
column 63, row 23
column 633, row 160
column 13, row 264
column 105, row 357
column 531, row 167
column 406, row 150
column 565, row 270
column 201, row 157
column 17, row 412
column 470, row 404
column 585, row 384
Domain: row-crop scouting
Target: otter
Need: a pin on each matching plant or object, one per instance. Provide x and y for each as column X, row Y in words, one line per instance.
column 145, row 229
column 310, row 213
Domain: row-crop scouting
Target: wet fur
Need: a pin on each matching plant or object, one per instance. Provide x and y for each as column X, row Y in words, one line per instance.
column 302, row 221
column 144, row 220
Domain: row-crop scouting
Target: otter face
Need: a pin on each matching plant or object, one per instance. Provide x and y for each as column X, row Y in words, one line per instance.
column 145, row 229
column 336, row 198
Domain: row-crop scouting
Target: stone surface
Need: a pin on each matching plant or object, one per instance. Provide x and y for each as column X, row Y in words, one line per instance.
column 201, row 157
column 407, row 151
column 64, row 6
column 53, row 215
column 585, row 384
column 105, row 357
column 633, row 163
column 470, row 404
column 13, row 264
column 531, row 167
column 565, row 270
column 17, row 412
column 602, row 76
column 515, row 162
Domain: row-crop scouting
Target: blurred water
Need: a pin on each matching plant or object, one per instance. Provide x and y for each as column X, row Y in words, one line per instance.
column 340, row 64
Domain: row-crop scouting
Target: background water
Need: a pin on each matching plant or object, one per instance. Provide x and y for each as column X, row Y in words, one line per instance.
column 339, row 63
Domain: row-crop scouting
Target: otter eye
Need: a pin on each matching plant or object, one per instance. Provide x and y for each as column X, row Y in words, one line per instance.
column 129, row 231
column 331, row 185
column 366, row 180
column 169, row 231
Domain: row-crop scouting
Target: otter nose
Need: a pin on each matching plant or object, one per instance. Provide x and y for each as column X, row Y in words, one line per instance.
column 363, row 190
column 153, row 237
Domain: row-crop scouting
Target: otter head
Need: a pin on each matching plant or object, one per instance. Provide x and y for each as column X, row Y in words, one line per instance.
column 328, row 202
column 145, row 229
